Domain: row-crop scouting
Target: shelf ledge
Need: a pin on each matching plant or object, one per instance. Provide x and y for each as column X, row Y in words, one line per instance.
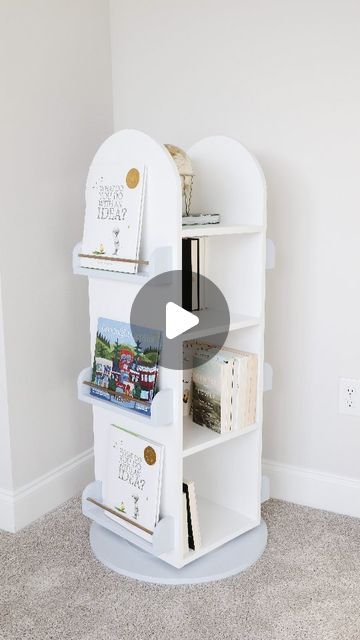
column 160, row 262
column 211, row 323
column 198, row 438
column 161, row 406
column 162, row 538
column 219, row 230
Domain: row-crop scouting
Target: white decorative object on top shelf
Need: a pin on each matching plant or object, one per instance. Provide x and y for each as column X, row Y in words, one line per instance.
column 225, row 468
column 186, row 174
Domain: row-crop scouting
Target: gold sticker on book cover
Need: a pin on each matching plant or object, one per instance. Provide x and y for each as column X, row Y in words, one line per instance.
column 132, row 178
column 149, row 455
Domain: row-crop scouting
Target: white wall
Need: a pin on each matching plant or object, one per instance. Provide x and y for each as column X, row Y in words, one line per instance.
column 56, row 108
column 282, row 77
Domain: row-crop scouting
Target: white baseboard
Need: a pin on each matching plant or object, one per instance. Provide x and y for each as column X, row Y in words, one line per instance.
column 303, row 486
column 313, row 488
column 21, row 507
column 7, row 512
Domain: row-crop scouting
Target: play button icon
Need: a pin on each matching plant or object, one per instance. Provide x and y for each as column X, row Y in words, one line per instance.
column 178, row 320
column 159, row 305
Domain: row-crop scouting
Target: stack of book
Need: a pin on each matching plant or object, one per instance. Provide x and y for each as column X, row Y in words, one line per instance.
column 224, row 388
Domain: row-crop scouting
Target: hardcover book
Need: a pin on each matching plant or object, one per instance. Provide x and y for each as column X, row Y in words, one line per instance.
column 126, row 364
column 211, row 391
column 114, row 208
column 132, row 485
column 193, row 272
column 224, row 389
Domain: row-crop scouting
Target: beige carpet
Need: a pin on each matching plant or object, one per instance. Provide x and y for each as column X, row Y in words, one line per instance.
column 306, row 586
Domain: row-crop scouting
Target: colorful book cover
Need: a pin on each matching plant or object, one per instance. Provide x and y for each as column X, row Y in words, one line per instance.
column 126, row 364
column 114, row 207
column 132, row 485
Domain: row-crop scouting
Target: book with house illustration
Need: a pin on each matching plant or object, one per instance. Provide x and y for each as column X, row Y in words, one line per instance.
column 114, row 207
column 126, row 364
column 132, row 484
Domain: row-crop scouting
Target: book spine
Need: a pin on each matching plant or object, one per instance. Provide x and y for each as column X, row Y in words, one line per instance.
column 195, row 280
column 185, row 525
column 202, row 272
column 194, row 533
column 243, row 389
column 191, row 543
column 186, row 275
column 253, row 383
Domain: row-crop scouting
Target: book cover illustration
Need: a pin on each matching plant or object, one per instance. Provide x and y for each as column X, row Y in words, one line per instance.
column 126, row 364
column 206, row 392
column 212, row 389
column 132, row 486
column 114, row 208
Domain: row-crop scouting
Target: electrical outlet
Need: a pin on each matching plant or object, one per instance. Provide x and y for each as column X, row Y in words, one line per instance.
column 349, row 396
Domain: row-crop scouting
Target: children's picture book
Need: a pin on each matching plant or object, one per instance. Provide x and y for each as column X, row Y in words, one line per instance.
column 114, row 208
column 132, row 485
column 126, row 364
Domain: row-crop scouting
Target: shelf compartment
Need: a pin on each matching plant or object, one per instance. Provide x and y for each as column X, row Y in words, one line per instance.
column 162, row 538
column 218, row 525
column 161, row 407
column 197, row 438
column 160, row 262
column 199, row 231
column 212, row 322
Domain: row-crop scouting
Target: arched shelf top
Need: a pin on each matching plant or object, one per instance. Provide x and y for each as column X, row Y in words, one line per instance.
column 131, row 143
column 161, row 224
column 229, row 181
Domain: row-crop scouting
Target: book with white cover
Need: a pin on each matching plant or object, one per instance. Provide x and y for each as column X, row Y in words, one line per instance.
column 114, row 207
column 132, row 485
column 245, row 390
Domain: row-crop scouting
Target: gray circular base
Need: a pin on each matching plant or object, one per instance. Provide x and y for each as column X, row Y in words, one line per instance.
column 124, row 558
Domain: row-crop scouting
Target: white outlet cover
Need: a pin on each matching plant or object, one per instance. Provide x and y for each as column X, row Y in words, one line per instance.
column 349, row 396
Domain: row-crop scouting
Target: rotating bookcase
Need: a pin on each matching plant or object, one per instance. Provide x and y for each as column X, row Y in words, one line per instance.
column 226, row 468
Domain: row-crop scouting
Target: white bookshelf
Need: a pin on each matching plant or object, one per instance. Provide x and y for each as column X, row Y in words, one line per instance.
column 226, row 468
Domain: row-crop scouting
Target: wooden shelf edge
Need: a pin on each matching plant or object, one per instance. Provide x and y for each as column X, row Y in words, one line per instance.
column 162, row 405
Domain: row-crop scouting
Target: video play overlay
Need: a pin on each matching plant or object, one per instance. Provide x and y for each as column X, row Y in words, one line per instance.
column 170, row 303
